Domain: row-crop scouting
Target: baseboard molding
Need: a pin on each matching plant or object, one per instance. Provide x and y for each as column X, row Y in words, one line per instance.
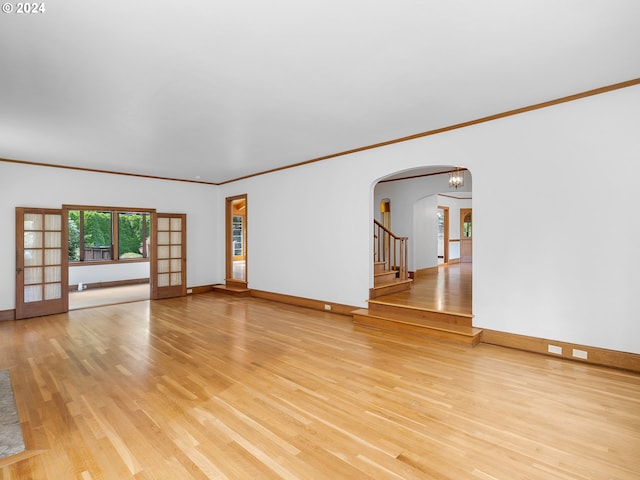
column 199, row 289
column 7, row 315
column 304, row 302
column 115, row 283
column 595, row 355
column 453, row 260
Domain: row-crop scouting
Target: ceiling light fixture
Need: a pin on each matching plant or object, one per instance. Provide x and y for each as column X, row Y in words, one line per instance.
column 456, row 178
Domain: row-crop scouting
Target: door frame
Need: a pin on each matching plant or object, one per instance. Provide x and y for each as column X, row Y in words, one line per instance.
column 149, row 211
column 229, row 280
column 21, row 310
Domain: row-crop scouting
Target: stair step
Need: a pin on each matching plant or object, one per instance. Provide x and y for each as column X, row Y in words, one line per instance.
column 384, row 277
column 393, row 286
column 431, row 328
column 379, row 266
column 384, row 308
column 232, row 290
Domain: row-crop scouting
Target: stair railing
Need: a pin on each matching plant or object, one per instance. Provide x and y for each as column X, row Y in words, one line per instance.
column 390, row 249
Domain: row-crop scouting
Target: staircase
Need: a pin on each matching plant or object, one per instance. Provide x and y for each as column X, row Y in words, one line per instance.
column 390, row 273
column 387, row 281
column 396, row 312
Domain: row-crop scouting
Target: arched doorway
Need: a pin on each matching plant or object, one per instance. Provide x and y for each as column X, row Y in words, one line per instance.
column 418, row 197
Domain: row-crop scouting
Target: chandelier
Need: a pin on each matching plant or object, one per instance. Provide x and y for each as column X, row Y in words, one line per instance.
column 456, row 178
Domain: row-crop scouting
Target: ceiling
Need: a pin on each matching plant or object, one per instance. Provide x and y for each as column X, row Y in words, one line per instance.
column 217, row 90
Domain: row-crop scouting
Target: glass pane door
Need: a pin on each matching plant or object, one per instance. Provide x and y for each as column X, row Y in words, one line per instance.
column 41, row 267
column 170, row 259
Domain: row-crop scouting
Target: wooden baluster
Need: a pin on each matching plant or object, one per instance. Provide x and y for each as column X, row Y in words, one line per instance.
column 391, row 249
column 406, row 258
column 403, row 259
column 395, row 254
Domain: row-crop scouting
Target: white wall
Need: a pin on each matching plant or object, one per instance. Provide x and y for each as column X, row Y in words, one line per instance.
column 563, row 176
column 424, row 238
column 307, row 233
column 33, row 186
column 552, row 173
column 108, row 272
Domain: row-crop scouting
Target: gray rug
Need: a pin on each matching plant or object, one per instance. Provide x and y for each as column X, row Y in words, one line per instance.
column 11, row 441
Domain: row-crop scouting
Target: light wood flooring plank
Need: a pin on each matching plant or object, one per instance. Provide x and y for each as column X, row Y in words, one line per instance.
column 212, row 386
column 447, row 288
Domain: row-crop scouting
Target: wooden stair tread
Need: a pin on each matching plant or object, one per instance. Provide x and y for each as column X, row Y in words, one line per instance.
column 384, row 272
column 408, row 308
column 231, row 290
column 384, row 278
column 430, row 324
column 395, row 285
column 395, row 281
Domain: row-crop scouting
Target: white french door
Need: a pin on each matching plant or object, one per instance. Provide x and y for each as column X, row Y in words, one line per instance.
column 41, row 262
column 169, row 259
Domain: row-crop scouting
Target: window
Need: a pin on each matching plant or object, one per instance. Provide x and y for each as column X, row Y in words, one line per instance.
column 90, row 234
column 466, row 226
column 133, row 235
column 237, row 237
column 99, row 235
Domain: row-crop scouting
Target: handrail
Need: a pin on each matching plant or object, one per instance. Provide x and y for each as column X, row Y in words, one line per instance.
column 390, row 249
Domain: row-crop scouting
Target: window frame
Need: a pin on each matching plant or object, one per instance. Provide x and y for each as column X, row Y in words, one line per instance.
column 115, row 211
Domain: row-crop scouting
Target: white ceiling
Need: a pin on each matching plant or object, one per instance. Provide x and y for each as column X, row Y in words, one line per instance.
column 216, row 90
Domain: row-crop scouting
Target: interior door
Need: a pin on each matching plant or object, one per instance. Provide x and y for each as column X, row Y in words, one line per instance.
column 466, row 235
column 41, row 262
column 169, row 261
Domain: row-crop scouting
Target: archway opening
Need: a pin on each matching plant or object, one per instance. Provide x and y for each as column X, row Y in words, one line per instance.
column 427, row 206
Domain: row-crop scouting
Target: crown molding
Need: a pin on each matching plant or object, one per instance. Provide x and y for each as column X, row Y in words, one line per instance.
column 497, row 116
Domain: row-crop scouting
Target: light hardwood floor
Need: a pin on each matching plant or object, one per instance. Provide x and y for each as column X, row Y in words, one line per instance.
column 444, row 289
column 96, row 297
column 212, row 386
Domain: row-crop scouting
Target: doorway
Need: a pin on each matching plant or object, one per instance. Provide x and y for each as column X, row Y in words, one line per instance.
column 49, row 242
column 236, row 241
column 466, row 235
column 109, row 251
column 423, row 202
